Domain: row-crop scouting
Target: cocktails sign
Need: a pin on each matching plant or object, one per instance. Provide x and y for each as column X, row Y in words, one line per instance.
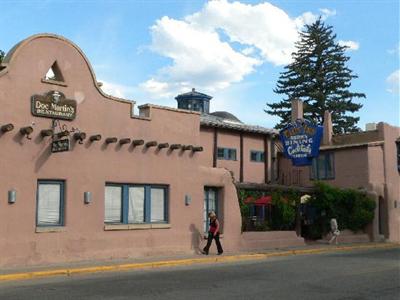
column 53, row 105
column 301, row 140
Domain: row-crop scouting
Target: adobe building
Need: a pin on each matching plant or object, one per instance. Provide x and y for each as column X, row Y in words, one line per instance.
column 83, row 178
column 367, row 160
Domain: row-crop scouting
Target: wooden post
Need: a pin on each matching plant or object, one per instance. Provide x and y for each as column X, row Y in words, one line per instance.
column 197, row 149
column 163, row 145
column 187, row 147
column 137, row 142
column 124, row 141
column 151, row 144
column 175, row 146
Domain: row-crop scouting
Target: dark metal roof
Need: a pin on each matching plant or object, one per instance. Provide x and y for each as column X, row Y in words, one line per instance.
column 216, row 121
column 226, row 115
column 193, row 95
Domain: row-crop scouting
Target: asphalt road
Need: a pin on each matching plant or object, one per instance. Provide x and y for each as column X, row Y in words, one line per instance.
column 363, row 274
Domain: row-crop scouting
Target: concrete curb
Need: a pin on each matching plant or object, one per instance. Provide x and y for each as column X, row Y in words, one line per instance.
column 185, row 262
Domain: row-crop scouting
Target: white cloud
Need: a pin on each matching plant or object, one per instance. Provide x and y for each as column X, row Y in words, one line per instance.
column 221, row 44
column 393, row 81
column 326, row 13
column 351, row 45
column 117, row 90
column 395, row 50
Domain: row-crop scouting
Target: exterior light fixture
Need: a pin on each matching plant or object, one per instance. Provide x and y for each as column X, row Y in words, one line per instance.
column 111, row 140
column 87, row 197
column 96, row 137
column 151, row 144
column 12, row 196
column 188, row 200
column 7, row 127
column 124, row 141
column 163, row 145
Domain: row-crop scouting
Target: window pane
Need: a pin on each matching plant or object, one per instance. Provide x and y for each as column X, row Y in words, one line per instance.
column 220, row 153
column 157, row 205
column 136, row 205
column 232, row 154
column 329, row 166
column 321, row 167
column 113, row 201
column 262, row 157
column 49, row 200
column 253, row 156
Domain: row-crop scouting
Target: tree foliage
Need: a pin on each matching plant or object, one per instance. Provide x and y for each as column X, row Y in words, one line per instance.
column 1, row 56
column 320, row 78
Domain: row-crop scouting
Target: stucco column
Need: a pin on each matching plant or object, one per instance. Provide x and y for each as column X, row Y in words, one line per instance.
column 374, row 231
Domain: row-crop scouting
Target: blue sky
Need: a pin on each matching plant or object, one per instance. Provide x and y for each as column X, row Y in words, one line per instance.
column 150, row 51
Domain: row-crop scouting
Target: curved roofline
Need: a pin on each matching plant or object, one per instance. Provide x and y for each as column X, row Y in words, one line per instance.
column 8, row 60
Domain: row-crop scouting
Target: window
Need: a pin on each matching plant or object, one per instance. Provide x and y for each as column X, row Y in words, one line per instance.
column 50, row 203
column 135, row 204
column 226, row 153
column 257, row 156
column 210, row 204
column 323, row 167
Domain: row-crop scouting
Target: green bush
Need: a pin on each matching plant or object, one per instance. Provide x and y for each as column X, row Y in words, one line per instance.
column 352, row 208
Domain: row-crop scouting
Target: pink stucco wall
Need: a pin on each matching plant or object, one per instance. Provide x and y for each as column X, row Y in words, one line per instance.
column 228, row 139
column 89, row 166
column 253, row 171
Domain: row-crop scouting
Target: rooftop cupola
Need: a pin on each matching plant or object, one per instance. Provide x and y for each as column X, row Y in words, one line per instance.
column 194, row 101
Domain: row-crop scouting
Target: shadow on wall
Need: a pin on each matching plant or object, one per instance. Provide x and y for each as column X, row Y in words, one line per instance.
column 197, row 238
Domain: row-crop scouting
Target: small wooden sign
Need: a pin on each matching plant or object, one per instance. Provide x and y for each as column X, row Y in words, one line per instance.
column 60, row 145
column 53, row 105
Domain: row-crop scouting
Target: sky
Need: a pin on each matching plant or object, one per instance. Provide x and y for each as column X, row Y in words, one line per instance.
column 151, row 51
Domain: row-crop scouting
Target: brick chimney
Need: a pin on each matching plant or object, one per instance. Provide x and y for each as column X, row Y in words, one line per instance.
column 328, row 130
column 297, row 109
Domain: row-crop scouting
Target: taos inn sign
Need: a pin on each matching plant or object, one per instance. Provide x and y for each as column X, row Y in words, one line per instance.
column 54, row 105
column 301, row 140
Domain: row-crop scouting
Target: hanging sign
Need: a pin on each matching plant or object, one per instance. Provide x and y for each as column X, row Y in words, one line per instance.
column 53, row 105
column 60, row 145
column 301, row 140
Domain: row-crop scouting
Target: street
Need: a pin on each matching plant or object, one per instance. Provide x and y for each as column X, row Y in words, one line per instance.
column 361, row 274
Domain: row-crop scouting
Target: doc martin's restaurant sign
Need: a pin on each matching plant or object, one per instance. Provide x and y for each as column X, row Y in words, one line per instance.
column 301, row 140
column 53, row 105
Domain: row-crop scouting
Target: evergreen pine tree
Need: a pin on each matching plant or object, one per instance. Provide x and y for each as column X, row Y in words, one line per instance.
column 320, row 78
column 1, row 56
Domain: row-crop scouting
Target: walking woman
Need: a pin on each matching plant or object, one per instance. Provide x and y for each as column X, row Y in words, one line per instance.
column 213, row 233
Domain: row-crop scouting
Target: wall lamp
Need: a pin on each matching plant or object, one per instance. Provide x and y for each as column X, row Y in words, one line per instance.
column 87, row 197
column 26, row 131
column 80, row 136
column 96, row 137
column 7, row 128
column 12, row 196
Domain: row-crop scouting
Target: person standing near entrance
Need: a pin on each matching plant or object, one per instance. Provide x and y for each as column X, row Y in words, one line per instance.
column 335, row 231
column 213, row 233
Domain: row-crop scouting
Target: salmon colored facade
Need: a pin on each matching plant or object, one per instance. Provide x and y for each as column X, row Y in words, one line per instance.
column 128, row 185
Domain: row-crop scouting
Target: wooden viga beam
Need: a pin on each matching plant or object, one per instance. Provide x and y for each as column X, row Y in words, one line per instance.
column 124, row 141
column 46, row 132
column 151, row 144
column 197, row 149
column 62, row 134
column 96, row 137
column 111, row 140
column 163, row 145
column 175, row 146
column 137, row 142
column 7, row 127
column 187, row 147
column 80, row 136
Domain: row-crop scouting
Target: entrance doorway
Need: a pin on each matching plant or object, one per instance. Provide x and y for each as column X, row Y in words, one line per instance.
column 210, row 204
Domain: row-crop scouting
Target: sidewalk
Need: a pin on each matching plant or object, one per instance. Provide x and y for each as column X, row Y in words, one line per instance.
column 86, row 267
